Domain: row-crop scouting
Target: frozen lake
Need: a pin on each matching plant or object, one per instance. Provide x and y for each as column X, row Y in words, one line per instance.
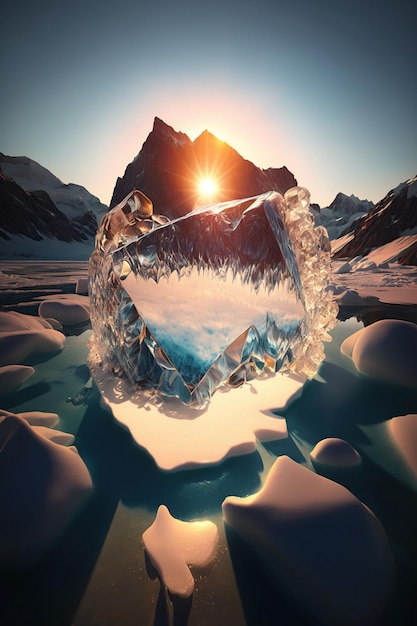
column 97, row 574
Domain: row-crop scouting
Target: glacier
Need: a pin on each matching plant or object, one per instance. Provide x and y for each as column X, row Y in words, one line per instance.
column 211, row 299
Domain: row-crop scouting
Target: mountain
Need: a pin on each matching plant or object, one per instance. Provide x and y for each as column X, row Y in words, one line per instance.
column 35, row 206
column 71, row 199
column 169, row 167
column 341, row 214
column 392, row 219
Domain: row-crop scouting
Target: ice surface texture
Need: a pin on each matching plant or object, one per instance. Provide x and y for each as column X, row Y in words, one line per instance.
column 212, row 298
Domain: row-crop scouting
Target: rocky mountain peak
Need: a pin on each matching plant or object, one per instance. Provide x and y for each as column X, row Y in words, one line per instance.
column 36, row 206
column 169, row 167
column 392, row 217
column 163, row 131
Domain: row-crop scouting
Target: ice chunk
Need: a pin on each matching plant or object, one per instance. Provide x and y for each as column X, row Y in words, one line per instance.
column 57, row 436
column 319, row 542
column 386, row 350
column 173, row 545
column 23, row 335
column 39, row 418
column 212, row 298
column 44, row 486
column 403, row 430
column 335, row 452
column 82, row 286
column 12, row 376
column 68, row 309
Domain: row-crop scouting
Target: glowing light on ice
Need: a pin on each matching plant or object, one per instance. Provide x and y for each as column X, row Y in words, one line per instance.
column 174, row 545
column 180, row 437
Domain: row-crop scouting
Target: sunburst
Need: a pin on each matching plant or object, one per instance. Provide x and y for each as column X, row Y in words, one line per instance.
column 207, row 187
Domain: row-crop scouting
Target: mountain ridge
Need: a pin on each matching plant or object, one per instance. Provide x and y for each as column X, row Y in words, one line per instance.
column 40, row 216
column 37, row 208
column 392, row 218
column 169, row 166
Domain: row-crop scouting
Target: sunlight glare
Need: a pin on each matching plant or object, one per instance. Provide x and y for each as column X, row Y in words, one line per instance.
column 207, row 187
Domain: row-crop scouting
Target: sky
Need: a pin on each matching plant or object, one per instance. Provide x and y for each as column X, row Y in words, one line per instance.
column 328, row 89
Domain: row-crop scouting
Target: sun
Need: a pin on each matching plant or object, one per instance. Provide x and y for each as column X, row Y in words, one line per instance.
column 207, row 187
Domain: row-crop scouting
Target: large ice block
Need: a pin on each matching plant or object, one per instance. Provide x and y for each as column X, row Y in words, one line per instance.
column 210, row 299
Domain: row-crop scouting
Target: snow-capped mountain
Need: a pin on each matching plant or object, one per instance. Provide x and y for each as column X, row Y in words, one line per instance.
column 169, row 167
column 341, row 214
column 392, row 219
column 38, row 212
column 73, row 200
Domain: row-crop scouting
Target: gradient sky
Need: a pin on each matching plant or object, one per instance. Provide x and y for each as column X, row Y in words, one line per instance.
column 328, row 89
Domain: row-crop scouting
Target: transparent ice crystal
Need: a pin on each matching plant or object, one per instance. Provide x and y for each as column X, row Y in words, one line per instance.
column 211, row 299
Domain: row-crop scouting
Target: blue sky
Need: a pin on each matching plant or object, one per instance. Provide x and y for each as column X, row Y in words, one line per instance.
column 327, row 89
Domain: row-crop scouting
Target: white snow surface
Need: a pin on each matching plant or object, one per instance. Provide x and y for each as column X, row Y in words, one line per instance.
column 173, row 545
column 385, row 282
column 319, row 541
column 388, row 253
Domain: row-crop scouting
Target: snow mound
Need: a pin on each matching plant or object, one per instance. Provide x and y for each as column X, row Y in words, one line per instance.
column 173, row 545
column 68, row 309
column 57, row 436
column 12, row 376
column 39, row 418
column 386, row 350
column 335, row 452
column 22, row 335
column 44, row 486
column 319, row 541
column 403, row 430
column 53, row 322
